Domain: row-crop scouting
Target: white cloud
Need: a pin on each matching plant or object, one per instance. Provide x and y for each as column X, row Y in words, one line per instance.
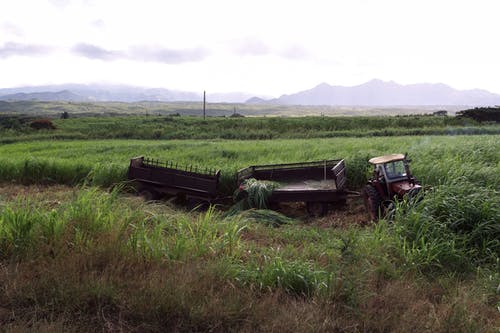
column 140, row 53
column 13, row 49
column 11, row 29
column 95, row 52
column 167, row 55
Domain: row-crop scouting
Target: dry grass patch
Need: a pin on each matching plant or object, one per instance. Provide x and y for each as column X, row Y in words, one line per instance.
column 47, row 195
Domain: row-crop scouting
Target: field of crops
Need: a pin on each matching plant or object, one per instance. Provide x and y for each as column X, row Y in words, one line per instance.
column 437, row 159
column 15, row 129
column 55, row 108
column 75, row 256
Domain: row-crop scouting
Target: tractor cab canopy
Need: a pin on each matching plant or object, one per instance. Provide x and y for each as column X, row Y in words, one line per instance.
column 386, row 158
column 392, row 167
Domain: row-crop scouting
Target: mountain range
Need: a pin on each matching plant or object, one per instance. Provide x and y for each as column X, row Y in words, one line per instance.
column 111, row 93
column 372, row 93
column 383, row 93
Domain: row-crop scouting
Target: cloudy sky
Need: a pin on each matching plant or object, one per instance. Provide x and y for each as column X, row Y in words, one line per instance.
column 264, row 47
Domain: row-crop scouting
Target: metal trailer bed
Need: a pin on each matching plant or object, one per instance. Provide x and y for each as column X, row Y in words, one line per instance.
column 318, row 184
column 155, row 178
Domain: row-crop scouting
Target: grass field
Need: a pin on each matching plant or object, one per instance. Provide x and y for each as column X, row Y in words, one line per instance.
column 437, row 159
column 55, row 108
column 75, row 257
column 15, row 129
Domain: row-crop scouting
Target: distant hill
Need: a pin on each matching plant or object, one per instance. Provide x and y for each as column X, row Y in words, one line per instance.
column 114, row 93
column 256, row 100
column 64, row 95
column 97, row 93
column 382, row 93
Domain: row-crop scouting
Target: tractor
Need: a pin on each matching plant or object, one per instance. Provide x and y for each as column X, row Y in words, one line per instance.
column 391, row 181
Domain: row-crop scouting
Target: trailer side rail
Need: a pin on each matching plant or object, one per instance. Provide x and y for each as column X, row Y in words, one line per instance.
column 167, row 177
column 318, row 170
column 155, row 163
column 298, row 165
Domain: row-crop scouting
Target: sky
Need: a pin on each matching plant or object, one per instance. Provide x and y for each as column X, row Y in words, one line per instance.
column 268, row 47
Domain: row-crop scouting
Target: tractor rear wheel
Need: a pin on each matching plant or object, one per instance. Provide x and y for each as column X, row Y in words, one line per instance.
column 373, row 202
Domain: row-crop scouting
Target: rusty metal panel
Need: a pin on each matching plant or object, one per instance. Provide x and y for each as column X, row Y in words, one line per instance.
column 167, row 177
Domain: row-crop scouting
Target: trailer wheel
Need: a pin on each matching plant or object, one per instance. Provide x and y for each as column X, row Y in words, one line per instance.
column 373, row 202
column 316, row 209
column 148, row 195
column 340, row 204
column 198, row 205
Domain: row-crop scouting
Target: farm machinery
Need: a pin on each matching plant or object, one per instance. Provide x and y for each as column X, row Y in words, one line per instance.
column 391, row 181
column 320, row 185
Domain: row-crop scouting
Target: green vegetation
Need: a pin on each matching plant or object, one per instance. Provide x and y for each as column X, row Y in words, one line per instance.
column 85, row 257
column 482, row 114
column 14, row 129
column 80, row 109
column 455, row 227
column 97, row 259
column 257, row 193
column 265, row 216
column 435, row 159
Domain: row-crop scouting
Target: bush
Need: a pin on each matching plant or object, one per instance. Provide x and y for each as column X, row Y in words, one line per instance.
column 295, row 277
column 481, row 114
column 42, row 124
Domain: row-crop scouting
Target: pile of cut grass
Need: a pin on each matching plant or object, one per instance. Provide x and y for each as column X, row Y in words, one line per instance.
column 252, row 193
column 266, row 217
column 256, row 193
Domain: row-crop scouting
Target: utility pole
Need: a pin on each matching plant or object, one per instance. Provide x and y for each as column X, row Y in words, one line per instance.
column 204, row 102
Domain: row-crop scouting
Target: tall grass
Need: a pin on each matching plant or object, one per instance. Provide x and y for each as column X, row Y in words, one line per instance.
column 188, row 237
column 454, row 227
column 26, row 228
column 296, row 277
column 168, row 128
column 101, row 260
column 436, row 160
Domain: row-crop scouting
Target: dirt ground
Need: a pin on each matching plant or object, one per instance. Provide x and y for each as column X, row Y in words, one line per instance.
column 339, row 217
column 43, row 193
column 52, row 195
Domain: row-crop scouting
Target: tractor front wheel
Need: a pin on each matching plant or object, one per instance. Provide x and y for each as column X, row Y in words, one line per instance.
column 373, row 202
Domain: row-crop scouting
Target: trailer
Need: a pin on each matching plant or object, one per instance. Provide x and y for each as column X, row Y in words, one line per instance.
column 155, row 178
column 319, row 184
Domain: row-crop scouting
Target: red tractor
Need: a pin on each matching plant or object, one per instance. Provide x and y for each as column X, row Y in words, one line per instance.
column 391, row 180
